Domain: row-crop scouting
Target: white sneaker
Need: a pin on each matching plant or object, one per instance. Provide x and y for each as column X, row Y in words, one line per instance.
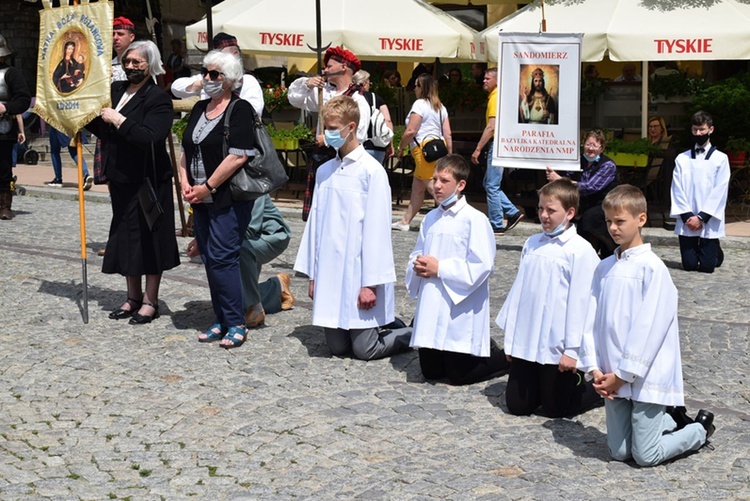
column 398, row 225
column 88, row 182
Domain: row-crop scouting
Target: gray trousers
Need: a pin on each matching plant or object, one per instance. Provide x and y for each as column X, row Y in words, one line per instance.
column 253, row 255
column 367, row 344
column 637, row 430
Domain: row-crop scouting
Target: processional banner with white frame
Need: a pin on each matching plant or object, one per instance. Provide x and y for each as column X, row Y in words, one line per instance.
column 538, row 116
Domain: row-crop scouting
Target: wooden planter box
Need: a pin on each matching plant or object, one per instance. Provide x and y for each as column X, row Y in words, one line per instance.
column 629, row 159
column 285, row 144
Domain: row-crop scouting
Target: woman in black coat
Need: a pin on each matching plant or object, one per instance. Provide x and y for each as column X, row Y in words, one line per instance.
column 133, row 133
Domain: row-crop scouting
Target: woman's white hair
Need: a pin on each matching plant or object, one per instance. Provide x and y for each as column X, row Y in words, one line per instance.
column 360, row 77
column 228, row 64
column 150, row 53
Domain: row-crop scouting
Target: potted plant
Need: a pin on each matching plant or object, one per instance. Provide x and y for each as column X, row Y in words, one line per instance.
column 276, row 103
column 728, row 102
column 675, row 87
column 737, row 148
column 630, row 153
column 289, row 139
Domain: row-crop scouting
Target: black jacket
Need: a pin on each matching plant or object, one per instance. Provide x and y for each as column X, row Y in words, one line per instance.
column 126, row 152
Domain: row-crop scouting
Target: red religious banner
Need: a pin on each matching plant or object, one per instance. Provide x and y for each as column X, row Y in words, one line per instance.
column 538, row 101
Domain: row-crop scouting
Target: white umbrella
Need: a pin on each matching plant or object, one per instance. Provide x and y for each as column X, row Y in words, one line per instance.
column 636, row 30
column 391, row 30
column 196, row 34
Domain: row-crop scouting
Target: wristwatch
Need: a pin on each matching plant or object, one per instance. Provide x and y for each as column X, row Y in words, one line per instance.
column 208, row 186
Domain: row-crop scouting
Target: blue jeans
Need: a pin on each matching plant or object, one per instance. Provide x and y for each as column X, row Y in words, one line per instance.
column 498, row 205
column 58, row 140
column 219, row 234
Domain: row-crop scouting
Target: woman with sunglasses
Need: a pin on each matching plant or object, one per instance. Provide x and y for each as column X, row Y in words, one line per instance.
column 206, row 171
column 133, row 135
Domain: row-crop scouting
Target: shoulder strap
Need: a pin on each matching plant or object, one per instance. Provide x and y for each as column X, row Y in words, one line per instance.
column 710, row 150
column 227, row 117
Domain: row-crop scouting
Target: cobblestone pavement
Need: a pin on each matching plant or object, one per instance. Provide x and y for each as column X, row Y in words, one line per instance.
column 106, row 410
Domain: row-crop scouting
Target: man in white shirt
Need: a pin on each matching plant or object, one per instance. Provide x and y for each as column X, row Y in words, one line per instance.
column 250, row 91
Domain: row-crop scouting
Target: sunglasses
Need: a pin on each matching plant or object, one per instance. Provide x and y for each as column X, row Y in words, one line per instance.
column 212, row 74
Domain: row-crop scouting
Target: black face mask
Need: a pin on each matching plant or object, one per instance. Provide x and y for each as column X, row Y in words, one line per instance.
column 700, row 139
column 135, row 76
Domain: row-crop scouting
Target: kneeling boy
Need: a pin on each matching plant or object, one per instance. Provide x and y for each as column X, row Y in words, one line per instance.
column 543, row 315
column 449, row 274
column 632, row 343
column 346, row 247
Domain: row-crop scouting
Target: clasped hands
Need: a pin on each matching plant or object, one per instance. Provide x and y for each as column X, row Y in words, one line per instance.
column 607, row 385
column 425, row 266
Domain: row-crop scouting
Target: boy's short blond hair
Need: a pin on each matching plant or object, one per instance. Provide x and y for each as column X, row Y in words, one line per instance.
column 342, row 109
column 628, row 197
column 564, row 191
column 456, row 165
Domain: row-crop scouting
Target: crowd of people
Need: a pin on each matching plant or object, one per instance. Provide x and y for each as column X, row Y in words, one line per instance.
column 591, row 317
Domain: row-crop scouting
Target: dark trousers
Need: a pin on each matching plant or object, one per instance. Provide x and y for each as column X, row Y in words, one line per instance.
column 560, row 394
column 219, row 234
column 6, row 164
column 462, row 368
column 699, row 254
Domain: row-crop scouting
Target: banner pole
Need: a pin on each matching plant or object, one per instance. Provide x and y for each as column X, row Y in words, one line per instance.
column 82, row 224
column 177, row 185
column 544, row 20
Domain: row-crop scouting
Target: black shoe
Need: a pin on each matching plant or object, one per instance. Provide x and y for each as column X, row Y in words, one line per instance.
column 498, row 231
column 55, row 183
column 120, row 313
column 679, row 415
column 139, row 319
column 513, row 221
column 396, row 324
column 706, row 419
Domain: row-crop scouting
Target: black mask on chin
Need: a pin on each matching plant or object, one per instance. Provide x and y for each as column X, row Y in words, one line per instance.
column 700, row 139
column 135, row 76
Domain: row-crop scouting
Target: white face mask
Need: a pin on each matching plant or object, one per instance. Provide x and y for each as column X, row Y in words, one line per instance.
column 451, row 199
column 557, row 231
column 213, row 88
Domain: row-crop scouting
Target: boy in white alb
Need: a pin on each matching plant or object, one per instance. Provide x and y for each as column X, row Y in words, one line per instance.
column 632, row 344
column 346, row 246
column 700, row 184
column 543, row 315
column 449, row 273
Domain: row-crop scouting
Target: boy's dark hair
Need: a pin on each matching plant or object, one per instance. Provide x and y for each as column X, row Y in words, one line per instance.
column 702, row 117
column 628, row 197
column 456, row 165
column 564, row 190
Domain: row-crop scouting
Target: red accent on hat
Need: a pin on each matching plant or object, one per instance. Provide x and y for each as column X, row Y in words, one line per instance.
column 343, row 56
column 123, row 23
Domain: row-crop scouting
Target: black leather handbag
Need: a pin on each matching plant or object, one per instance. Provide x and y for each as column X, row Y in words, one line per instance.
column 262, row 173
column 149, row 202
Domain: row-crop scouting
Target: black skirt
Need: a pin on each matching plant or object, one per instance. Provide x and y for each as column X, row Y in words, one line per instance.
column 132, row 249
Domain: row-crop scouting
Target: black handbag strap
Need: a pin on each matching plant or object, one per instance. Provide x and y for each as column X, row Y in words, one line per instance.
column 228, row 115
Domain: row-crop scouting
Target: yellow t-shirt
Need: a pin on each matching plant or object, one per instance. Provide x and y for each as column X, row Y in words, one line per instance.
column 491, row 106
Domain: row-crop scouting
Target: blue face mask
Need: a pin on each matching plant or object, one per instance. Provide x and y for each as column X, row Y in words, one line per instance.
column 591, row 159
column 334, row 140
column 557, row 231
column 451, row 199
